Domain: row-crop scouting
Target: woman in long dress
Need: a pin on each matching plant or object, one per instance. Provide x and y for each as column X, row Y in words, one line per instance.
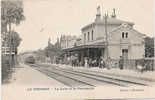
column 86, row 62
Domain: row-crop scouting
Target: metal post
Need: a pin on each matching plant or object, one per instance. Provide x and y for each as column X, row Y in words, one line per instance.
column 88, row 57
column 107, row 65
column 106, row 16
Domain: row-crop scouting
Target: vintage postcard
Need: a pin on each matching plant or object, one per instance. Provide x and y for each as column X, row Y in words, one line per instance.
column 77, row 49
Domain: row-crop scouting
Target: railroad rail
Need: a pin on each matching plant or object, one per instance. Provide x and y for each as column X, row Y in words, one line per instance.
column 74, row 78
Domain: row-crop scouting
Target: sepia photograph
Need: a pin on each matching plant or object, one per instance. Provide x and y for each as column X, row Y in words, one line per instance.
column 122, row 99
column 85, row 47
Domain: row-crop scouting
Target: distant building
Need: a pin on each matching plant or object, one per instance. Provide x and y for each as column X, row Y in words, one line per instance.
column 67, row 41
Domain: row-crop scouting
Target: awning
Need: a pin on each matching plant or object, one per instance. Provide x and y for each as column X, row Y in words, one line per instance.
column 84, row 47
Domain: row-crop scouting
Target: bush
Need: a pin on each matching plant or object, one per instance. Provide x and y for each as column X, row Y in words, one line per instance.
column 6, row 73
column 148, row 63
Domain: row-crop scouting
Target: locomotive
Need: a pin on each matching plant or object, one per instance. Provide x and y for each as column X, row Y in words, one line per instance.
column 30, row 60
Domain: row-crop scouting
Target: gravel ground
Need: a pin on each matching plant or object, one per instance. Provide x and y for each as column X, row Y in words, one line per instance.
column 24, row 79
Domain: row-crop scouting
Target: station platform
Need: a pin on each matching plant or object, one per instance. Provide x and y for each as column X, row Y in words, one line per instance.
column 23, row 80
column 125, row 73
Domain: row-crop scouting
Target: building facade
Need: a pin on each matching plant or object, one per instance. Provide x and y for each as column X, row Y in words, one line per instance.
column 67, row 41
column 118, row 37
column 108, row 37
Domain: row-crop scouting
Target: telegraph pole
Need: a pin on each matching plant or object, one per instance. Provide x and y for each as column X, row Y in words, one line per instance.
column 106, row 33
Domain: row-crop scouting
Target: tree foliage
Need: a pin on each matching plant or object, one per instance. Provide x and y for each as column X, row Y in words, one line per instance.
column 149, row 47
column 51, row 50
column 12, row 12
column 15, row 39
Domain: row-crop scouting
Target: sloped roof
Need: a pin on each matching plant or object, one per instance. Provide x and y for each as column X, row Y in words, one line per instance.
column 127, row 26
column 116, row 21
column 110, row 20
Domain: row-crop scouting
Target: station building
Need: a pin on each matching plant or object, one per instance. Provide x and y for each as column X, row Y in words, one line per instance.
column 108, row 37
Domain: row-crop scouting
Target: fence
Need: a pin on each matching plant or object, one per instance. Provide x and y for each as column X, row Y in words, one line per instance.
column 131, row 64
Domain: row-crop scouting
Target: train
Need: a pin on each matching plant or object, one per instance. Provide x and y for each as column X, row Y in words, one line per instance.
column 30, row 60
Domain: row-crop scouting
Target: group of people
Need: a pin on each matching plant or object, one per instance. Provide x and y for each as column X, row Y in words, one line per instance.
column 108, row 63
column 89, row 62
column 100, row 62
column 97, row 62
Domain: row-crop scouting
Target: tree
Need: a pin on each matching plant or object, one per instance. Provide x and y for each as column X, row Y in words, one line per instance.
column 12, row 13
column 15, row 39
column 149, row 47
column 52, row 50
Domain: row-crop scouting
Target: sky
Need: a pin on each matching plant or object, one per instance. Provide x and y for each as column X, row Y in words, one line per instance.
column 51, row 18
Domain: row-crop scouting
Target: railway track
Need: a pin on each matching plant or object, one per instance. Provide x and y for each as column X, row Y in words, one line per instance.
column 66, row 80
column 74, row 78
column 103, row 78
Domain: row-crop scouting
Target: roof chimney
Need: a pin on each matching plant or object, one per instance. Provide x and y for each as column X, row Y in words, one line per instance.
column 113, row 14
column 98, row 15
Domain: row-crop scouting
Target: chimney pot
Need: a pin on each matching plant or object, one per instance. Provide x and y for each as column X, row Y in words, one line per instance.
column 98, row 15
column 113, row 14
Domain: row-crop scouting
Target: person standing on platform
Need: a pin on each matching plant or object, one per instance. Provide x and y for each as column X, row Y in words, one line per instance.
column 102, row 63
column 108, row 63
column 121, row 62
column 86, row 62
